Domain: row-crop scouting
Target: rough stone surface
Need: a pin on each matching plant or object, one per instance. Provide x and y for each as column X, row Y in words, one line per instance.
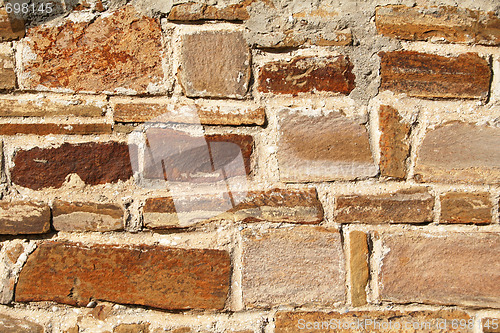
column 322, row 148
column 275, row 272
column 194, row 11
column 117, row 53
column 358, row 266
column 80, row 216
column 394, row 143
column 307, row 74
column 443, row 23
column 11, row 28
column 94, row 163
column 15, row 325
column 276, row 205
column 464, row 207
column 214, row 64
column 24, row 218
column 491, row 325
column 160, row 277
column 7, row 72
column 459, row 152
column 433, row 76
column 441, row 268
column 131, row 328
column 45, row 129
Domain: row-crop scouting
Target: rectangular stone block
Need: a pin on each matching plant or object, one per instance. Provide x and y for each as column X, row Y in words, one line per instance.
column 24, row 218
column 7, row 68
column 394, row 143
column 193, row 11
column 11, row 28
column 45, row 129
column 465, row 207
column 155, row 276
column 358, row 262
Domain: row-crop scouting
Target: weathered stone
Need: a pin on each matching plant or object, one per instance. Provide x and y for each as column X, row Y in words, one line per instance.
column 491, row 325
column 358, row 263
column 441, row 268
column 214, row 63
column 433, row 76
column 45, row 129
column 299, row 266
column 11, row 28
column 7, row 72
column 307, row 74
column 394, row 143
column 298, row 37
column 95, row 163
column 276, row 205
column 80, row 216
column 15, row 325
column 116, row 53
column 11, row 262
column 131, row 328
column 193, row 11
column 322, row 147
column 406, row 206
column 160, row 277
column 459, row 152
column 24, row 218
column 466, row 208
column 443, row 23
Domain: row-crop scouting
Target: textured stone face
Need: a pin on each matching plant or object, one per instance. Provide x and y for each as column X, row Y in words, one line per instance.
column 275, row 272
column 11, row 28
column 214, row 64
column 7, row 73
column 432, row 76
column 14, row 325
column 323, row 147
column 131, row 328
column 307, row 74
column 117, row 53
column 441, row 268
column 359, row 267
column 193, row 11
column 466, row 208
column 24, row 218
column 460, row 153
column 45, row 129
column 159, row 277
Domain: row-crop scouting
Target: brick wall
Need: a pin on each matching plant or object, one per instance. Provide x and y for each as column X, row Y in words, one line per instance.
column 250, row 166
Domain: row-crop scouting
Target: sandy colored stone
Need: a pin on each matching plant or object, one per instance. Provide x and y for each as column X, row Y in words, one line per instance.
column 116, row 53
column 7, row 72
column 299, row 266
column 14, row 252
column 405, row 206
column 193, row 11
column 441, row 268
column 322, row 148
column 459, row 152
column 131, row 328
column 83, row 216
column 74, row 329
column 307, row 74
column 443, row 23
column 154, row 276
column 24, row 218
column 45, row 129
column 358, row 263
column 16, row 325
column 433, row 76
column 101, row 311
column 465, row 207
column 394, row 143
column 214, row 64
column 11, row 28
column 491, row 325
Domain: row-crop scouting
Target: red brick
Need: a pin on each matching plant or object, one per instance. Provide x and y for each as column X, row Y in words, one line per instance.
column 307, row 74
column 16, row 325
column 11, row 28
column 160, row 277
column 433, row 76
column 85, row 216
column 45, row 129
column 466, row 208
column 94, row 163
column 24, row 218
column 441, row 268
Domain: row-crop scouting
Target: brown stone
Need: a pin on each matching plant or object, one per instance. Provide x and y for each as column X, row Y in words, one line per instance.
column 14, row 252
column 132, row 328
column 15, row 325
column 441, row 268
column 116, row 53
column 11, row 28
column 193, row 11
column 299, row 266
column 74, row 329
column 214, row 63
column 94, row 163
column 394, row 143
column 307, row 74
column 7, row 73
column 466, row 208
column 101, row 311
column 276, row 205
column 45, row 129
column 443, row 23
column 405, row 206
column 322, row 148
column 459, row 152
column 358, row 263
column 81, row 216
column 24, row 218
column 155, row 276
column 373, row 321
column 491, row 325
column 433, row 76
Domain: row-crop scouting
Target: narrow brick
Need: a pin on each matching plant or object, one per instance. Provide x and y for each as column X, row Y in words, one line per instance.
column 24, row 218
column 7, row 66
column 15, row 325
column 358, row 262
column 275, row 272
column 214, row 64
column 441, row 268
column 394, row 143
column 276, row 205
column 307, row 74
column 433, row 76
column 45, row 129
column 155, row 276
column 443, row 23
column 466, row 208
column 11, row 28
column 193, row 11
column 116, row 53
column 459, row 152
column 94, row 163
column 81, row 216
column 405, row 206
column 491, row 325
column 322, row 147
